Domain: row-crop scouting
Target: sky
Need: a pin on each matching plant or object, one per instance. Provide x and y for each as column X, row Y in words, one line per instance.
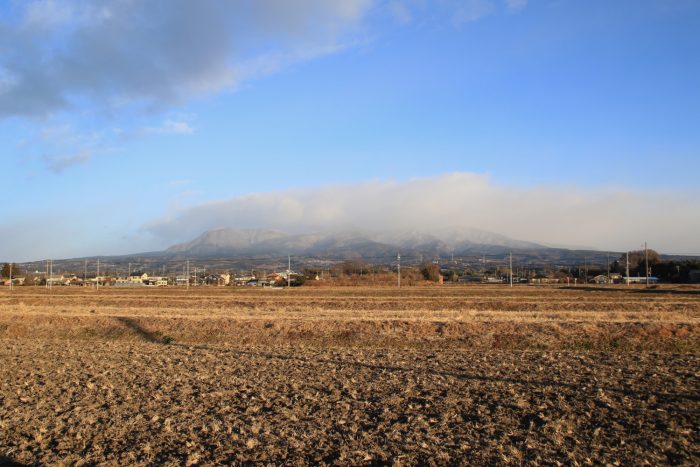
column 127, row 126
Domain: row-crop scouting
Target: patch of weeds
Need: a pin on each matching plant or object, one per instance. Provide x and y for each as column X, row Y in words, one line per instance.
column 580, row 346
column 3, row 328
column 678, row 346
column 88, row 332
column 158, row 336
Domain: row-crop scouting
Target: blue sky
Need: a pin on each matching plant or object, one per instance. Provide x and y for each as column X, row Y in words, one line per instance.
column 122, row 123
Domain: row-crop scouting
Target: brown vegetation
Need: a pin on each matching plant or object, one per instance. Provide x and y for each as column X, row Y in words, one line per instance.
column 452, row 374
column 474, row 317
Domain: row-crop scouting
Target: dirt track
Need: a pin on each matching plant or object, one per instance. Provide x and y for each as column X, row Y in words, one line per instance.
column 300, row 379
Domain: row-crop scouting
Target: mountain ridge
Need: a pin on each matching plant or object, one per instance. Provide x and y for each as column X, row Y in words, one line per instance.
column 442, row 241
column 243, row 249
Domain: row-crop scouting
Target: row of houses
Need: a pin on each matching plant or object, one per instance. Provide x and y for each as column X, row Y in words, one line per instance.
column 143, row 280
column 600, row 279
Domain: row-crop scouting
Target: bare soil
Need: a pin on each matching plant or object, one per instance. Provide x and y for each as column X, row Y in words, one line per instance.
column 464, row 375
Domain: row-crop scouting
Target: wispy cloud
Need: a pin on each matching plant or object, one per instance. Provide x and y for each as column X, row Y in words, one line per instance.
column 124, row 54
column 58, row 164
column 514, row 6
column 457, row 12
column 170, row 127
column 606, row 218
column 119, row 52
column 472, row 10
column 400, row 11
column 73, row 66
column 71, row 63
column 64, row 146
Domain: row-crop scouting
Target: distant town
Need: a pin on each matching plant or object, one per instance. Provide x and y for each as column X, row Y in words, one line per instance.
column 637, row 267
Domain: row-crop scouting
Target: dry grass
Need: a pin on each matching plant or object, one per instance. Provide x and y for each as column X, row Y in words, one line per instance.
column 434, row 375
column 476, row 317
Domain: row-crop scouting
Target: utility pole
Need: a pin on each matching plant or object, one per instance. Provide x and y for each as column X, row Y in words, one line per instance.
column 398, row 267
column 50, row 274
column 289, row 270
column 188, row 274
column 46, row 285
column 97, row 278
column 627, row 270
column 10, row 275
column 646, row 264
column 85, row 274
column 511, row 269
column 608, row 267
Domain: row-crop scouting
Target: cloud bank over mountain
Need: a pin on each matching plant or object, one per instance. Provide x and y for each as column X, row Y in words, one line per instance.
column 604, row 218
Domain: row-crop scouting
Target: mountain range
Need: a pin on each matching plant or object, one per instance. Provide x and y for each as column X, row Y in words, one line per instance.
column 242, row 249
column 347, row 244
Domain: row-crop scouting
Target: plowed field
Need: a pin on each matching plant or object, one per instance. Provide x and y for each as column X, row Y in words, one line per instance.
column 441, row 375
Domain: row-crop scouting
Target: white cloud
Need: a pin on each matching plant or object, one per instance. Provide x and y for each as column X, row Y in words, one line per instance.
column 514, row 6
column 58, row 164
column 171, row 127
column 605, row 218
column 78, row 65
column 71, row 54
column 63, row 146
column 155, row 53
column 457, row 12
column 400, row 11
column 43, row 15
column 472, row 10
column 83, row 63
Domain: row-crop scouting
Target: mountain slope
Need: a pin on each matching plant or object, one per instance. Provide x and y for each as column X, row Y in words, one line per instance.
column 348, row 244
column 226, row 242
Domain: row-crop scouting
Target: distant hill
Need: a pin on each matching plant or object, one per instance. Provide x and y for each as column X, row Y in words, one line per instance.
column 250, row 242
column 253, row 242
column 242, row 249
column 453, row 240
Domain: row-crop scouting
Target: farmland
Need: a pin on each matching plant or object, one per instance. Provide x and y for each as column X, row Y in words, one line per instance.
column 347, row 375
